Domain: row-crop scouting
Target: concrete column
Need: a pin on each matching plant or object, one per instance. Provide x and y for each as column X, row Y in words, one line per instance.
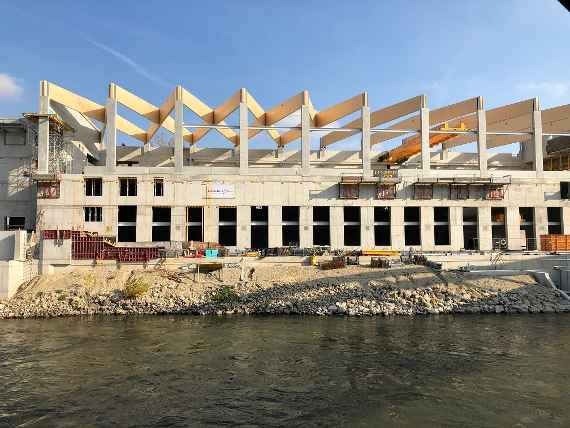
column 566, row 220
column 424, row 135
column 514, row 241
column 306, row 227
column 305, row 140
column 243, row 135
column 43, row 129
column 456, row 227
column 482, row 138
column 444, row 152
column 540, row 224
column 275, row 238
column 210, row 221
column 397, row 227
column 144, row 223
column 178, row 223
column 111, row 130
column 426, row 225
column 485, row 231
column 537, row 139
column 178, row 130
column 337, row 227
column 367, row 227
column 366, row 167
column 244, row 226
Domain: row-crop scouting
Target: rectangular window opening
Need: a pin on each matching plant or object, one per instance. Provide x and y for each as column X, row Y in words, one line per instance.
column 128, row 186
column 259, row 227
column 412, row 229
column 554, row 215
column 382, row 231
column 127, row 223
column 321, row 226
column 93, row 214
column 194, row 224
column 290, row 225
column 158, row 187
column 441, row 230
column 470, row 229
column 93, row 187
column 161, row 224
column 351, row 226
column 227, row 226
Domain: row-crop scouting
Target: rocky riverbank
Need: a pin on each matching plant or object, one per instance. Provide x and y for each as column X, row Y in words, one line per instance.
column 360, row 292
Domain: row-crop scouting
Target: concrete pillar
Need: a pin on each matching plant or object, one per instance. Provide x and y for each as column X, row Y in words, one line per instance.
column 243, row 135
column 366, row 167
column 178, row 223
column 426, row 225
column 178, row 130
column 111, row 130
column 305, row 140
column 537, row 139
column 566, row 220
column 482, row 138
column 210, row 220
column 456, row 228
column 337, row 227
column 144, row 223
column 43, row 129
column 306, row 227
column 424, row 135
column 397, row 227
column 244, row 226
column 514, row 241
column 367, row 227
column 540, row 224
column 485, row 231
column 275, row 238
column 444, row 152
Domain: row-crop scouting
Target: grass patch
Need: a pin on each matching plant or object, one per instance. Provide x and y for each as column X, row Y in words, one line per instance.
column 135, row 287
column 224, row 294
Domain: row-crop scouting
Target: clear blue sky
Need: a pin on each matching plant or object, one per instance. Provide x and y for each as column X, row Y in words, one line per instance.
column 503, row 50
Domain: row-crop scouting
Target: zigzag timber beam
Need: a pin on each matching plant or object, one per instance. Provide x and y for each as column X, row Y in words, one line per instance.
column 158, row 116
column 383, row 115
column 329, row 115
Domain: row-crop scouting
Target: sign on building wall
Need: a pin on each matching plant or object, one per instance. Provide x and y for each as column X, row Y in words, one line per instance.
column 220, row 191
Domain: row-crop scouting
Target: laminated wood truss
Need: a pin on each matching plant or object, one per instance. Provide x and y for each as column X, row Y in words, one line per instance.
column 504, row 125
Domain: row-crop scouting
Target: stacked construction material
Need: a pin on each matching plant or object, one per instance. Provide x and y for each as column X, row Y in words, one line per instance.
column 555, row 242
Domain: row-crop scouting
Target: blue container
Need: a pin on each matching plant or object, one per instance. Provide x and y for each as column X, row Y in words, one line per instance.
column 211, row 252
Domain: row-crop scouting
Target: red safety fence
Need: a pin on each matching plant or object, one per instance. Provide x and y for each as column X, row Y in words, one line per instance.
column 86, row 246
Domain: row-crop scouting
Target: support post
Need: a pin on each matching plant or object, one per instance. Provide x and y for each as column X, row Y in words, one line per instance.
column 178, row 130
column 305, row 136
column 482, row 138
column 424, row 115
column 243, row 135
column 111, row 129
column 366, row 167
column 43, row 129
column 537, row 138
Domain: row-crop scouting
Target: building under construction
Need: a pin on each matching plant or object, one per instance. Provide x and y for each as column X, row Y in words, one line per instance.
column 431, row 179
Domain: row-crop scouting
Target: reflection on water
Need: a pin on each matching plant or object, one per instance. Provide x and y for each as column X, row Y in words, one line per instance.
column 274, row 371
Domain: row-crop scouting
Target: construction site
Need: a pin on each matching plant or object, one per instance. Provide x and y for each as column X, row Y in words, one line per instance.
column 460, row 184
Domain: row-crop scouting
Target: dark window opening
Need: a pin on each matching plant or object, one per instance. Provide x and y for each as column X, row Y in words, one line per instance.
column 128, row 186
column 48, row 189
column 498, row 228
column 160, row 224
column 290, row 226
column 194, row 224
column 93, row 186
column 412, row 230
column 382, row 233
column 528, row 240
column 158, row 187
column 93, row 214
column 470, row 229
column 15, row 223
column 127, row 223
column 564, row 190
column 351, row 226
column 441, row 226
column 259, row 227
column 227, row 226
column 423, row 191
column 554, row 215
column 321, row 226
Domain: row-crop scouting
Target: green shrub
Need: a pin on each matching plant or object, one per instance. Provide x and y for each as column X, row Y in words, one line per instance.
column 135, row 287
column 224, row 294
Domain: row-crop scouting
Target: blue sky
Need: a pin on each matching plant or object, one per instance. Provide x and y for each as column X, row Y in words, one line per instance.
column 503, row 50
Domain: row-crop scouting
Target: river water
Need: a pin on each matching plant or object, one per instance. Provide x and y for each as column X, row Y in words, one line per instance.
column 456, row 371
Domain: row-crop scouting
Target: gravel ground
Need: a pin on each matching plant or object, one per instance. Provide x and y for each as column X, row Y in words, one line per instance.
column 283, row 289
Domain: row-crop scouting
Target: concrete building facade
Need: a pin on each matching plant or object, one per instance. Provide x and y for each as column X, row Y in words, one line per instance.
column 424, row 193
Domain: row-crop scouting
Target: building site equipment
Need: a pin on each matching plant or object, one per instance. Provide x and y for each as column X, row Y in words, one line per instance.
column 413, row 146
column 386, row 253
column 213, row 270
column 380, row 262
column 210, row 252
column 555, row 243
column 337, row 262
